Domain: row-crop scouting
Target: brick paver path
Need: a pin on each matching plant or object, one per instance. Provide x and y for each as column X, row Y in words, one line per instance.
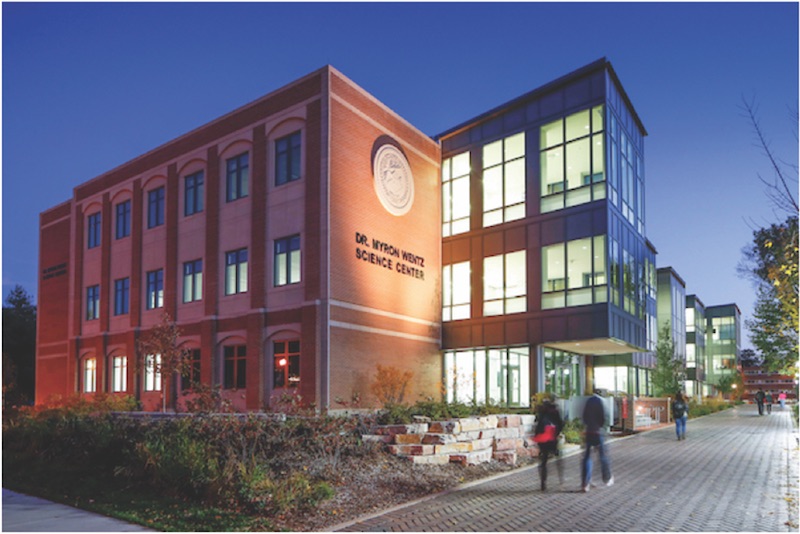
column 736, row 472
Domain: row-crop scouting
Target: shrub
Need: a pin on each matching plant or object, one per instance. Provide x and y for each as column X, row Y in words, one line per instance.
column 390, row 385
column 573, row 431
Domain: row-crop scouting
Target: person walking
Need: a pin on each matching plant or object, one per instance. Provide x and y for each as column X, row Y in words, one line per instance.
column 782, row 399
column 549, row 425
column 594, row 419
column 760, row 401
column 768, row 400
column 680, row 412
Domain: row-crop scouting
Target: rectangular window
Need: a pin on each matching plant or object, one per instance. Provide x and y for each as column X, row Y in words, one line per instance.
column 192, row 378
column 235, row 367
column 94, row 230
column 237, row 173
column 123, row 223
column 155, row 207
column 499, row 376
column 236, row 271
column 155, row 289
column 287, row 159
column 504, row 180
column 286, row 371
column 287, row 260
column 193, row 281
column 152, row 372
column 504, row 284
column 89, row 375
column 456, row 291
column 574, row 273
column 193, row 193
column 119, row 374
column 121, row 296
column 572, row 160
column 455, row 195
column 92, row 302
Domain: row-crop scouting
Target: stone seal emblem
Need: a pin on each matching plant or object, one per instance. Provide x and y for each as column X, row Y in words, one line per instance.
column 393, row 181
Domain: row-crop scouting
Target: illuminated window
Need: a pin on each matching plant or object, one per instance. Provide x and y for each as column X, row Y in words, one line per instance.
column 119, row 374
column 456, row 291
column 92, row 302
column 235, row 370
column 572, row 160
column 574, row 273
column 504, row 180
column 193, row 281
column 504, row 284
column 152, row 372
column 190, row 379
column 287, row 260
column 237, row 177
column 287, row 158
column 155, row 289
column 89, row 375
column 286, row 371
column 236, row 271
column 499, row 376
column 455, row 195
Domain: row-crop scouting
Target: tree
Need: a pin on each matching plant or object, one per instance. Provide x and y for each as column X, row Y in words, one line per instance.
column 19, row 348
column 776, row 340
column 749, row 358
column 160, row 353
column 669, row 374
column 725, row 384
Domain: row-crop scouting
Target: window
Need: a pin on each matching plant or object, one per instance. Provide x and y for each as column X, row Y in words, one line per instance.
column 504, row 180
column 236, row 271
column 92, row 302
column 572, row 160
column 121, row 296
column 574, row 273
column 287, row 159
column 89, row 375
column 235, row 372
column 123, row 224
column 93, row 231
column 155, row 289
column 119, row 374
column 155, row 207
column 152, row 372
column 498, row 376
column 237, row 177
column 192, row 378
column 193, row 193
column 286, row 371
column 193, row 281
column 287, row 260
column 455, row 195
column 456, row 291
column 504, row 284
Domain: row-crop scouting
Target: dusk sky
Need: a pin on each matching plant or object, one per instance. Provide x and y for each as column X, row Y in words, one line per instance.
column 88, row 87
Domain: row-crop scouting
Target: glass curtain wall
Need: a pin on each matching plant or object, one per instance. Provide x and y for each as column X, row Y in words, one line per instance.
column 498, row 376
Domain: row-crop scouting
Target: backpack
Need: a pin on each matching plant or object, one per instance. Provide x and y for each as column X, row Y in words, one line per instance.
column 679, row 409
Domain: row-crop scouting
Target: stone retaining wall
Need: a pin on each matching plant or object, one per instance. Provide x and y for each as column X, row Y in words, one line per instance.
column 467, row 441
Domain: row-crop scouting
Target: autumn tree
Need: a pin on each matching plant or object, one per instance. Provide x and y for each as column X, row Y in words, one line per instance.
column 19, row 347
column 160, row 354
column 390, row 385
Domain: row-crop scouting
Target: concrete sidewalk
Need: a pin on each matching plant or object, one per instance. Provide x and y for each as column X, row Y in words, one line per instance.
column 736, row 472
column 23, row 513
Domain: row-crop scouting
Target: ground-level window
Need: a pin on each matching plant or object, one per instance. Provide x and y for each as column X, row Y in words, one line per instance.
column 192, row 377
column 562, row 373
column 235, row 370
column 89, row 375
column 119, row 374
column 489, row 375
column 152, row 372
column 286, row 371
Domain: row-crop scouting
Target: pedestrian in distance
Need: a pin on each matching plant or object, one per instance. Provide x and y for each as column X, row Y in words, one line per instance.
column 760, row 401
column 549, row 425
column 680, row 412
column 594, row 419
column 782, row 399
column 768, row 401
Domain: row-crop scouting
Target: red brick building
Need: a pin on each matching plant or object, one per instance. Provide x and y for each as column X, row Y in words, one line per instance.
column 756, row 378
column 295, row 241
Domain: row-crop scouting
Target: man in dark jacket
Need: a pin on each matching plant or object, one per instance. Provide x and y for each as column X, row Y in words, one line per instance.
column 760, row 401
column 594, row 419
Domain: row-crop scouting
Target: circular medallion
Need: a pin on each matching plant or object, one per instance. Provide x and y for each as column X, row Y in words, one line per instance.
column 394, row 183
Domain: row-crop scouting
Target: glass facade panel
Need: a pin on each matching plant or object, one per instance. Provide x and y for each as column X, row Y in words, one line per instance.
column 456, row 291
column 504, row 180
column 455, row 195
column 496, row 375
column 505, row 285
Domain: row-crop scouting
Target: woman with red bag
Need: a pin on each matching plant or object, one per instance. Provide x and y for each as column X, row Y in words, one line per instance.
column 548, row 426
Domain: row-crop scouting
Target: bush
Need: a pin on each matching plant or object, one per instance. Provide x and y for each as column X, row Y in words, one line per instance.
column 708, row 406
column 573, row 431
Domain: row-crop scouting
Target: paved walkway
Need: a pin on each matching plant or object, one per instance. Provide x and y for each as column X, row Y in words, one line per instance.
column 733, row 473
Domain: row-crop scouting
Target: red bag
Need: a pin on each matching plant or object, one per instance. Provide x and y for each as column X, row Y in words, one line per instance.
column 549, row 434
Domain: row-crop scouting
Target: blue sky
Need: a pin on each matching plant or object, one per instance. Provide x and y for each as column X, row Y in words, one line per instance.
column 87, row 87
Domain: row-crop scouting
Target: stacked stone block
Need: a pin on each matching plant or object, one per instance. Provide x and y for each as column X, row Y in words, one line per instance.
column 466, row 441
